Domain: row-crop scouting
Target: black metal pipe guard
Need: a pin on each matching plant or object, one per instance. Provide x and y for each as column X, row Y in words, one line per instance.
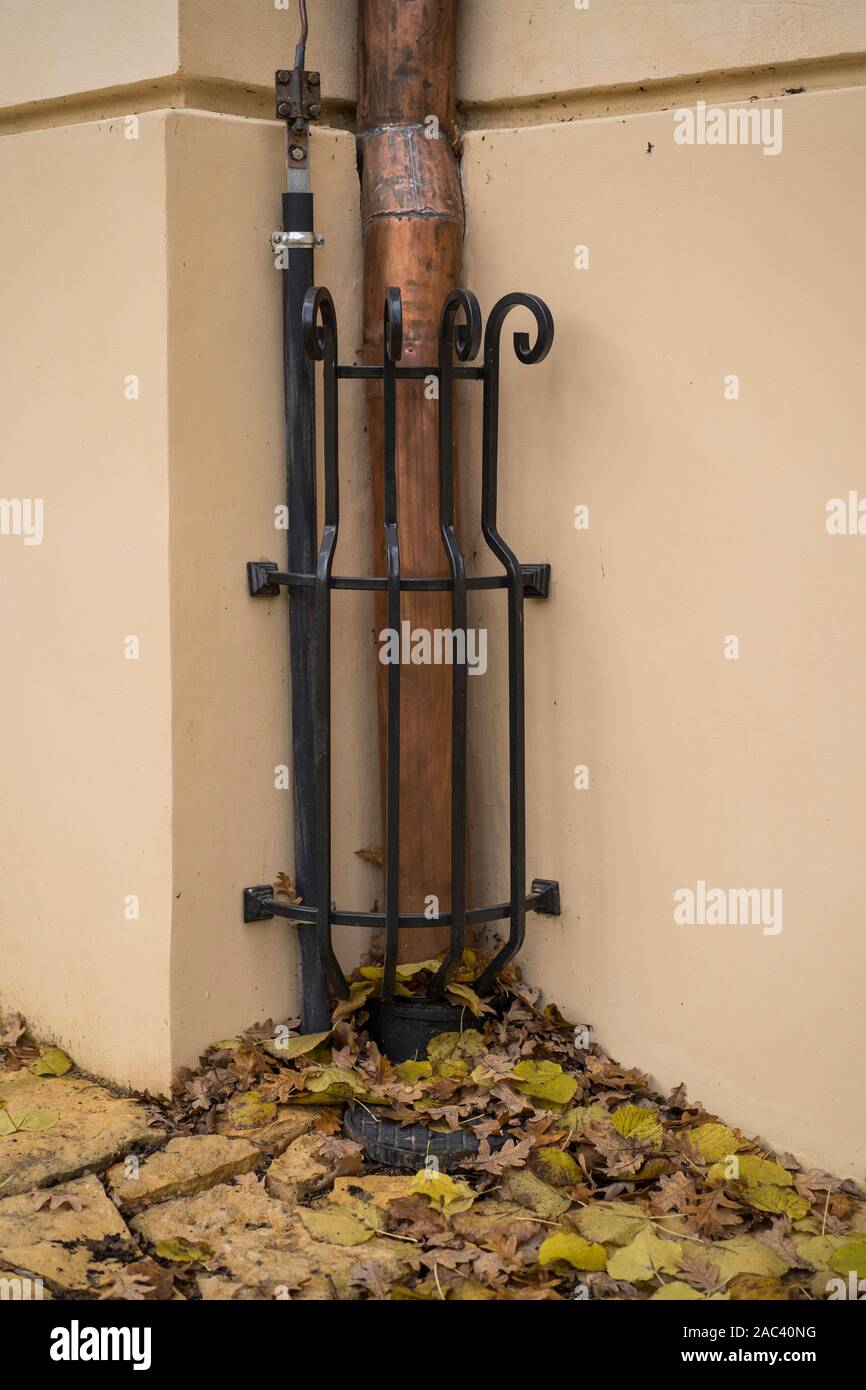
column 521, row 581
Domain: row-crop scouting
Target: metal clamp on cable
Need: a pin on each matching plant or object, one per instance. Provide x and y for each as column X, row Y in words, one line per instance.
column 296, row 241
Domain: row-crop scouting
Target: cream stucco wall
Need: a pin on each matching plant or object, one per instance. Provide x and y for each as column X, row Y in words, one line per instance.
column 85, row 817
column 514, row 51
column 706, row 519
column 60, row 57
column 52, row 51
column 152, row 778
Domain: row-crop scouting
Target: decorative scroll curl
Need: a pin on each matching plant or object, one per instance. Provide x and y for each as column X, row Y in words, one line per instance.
column 464, row 337
column 524, row 351
column 319, row 324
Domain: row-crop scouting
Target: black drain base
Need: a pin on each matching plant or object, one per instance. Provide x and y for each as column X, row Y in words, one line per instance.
column 403, row 1027
column 409, row 1147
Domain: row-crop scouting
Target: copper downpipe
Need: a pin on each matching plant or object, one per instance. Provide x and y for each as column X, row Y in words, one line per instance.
column 413, row 222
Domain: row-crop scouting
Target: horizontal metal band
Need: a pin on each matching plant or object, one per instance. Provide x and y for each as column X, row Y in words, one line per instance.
column 260, row 905
column 373, row 373
column 350, row 581
column 265, row 580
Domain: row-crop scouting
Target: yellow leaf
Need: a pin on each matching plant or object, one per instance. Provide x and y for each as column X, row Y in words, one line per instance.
column 336, row 1081
column 444, row 1193
column 574, row 1249
column 183, row 1251
column 470, row 969
column 367, row 1213
column 745, row 1255
column 545, row 1082
column 643, row 1257
column 405, row 972
column 286, row 1048
column 249, row 1110
column 453, row 1071
column 636, row 1122
column 714, row 1141
column 817, row 1250
column 332, row 1095
column 413, row 1072
column 528, row 1191
column 555, row 1167
column 50, row 1062
column 761, row 1183
column 334, row 1226
column 612, row 1223
column 359, row 992
column 747, row 1168
column 850, row 1256
column 579, row 1115
column 676, row 1289
column 462, row 994
column 362, row 987
column 26, row 1121
column 447, row 1047
column 768, row 1197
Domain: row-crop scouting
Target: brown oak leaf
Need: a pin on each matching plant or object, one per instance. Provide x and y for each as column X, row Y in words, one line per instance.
column 136, row 1282
column 697, row 1268
column 714, row 1213
column 511, row 1155
column 675, row 1193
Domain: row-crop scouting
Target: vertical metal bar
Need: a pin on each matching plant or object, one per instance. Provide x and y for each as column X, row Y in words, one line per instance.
column 302, row 527
column 392, row 351
column 516, row 691
column 321, row 344
column 468, row 341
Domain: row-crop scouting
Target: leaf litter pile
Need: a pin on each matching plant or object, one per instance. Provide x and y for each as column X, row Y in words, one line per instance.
column 586, row 1182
